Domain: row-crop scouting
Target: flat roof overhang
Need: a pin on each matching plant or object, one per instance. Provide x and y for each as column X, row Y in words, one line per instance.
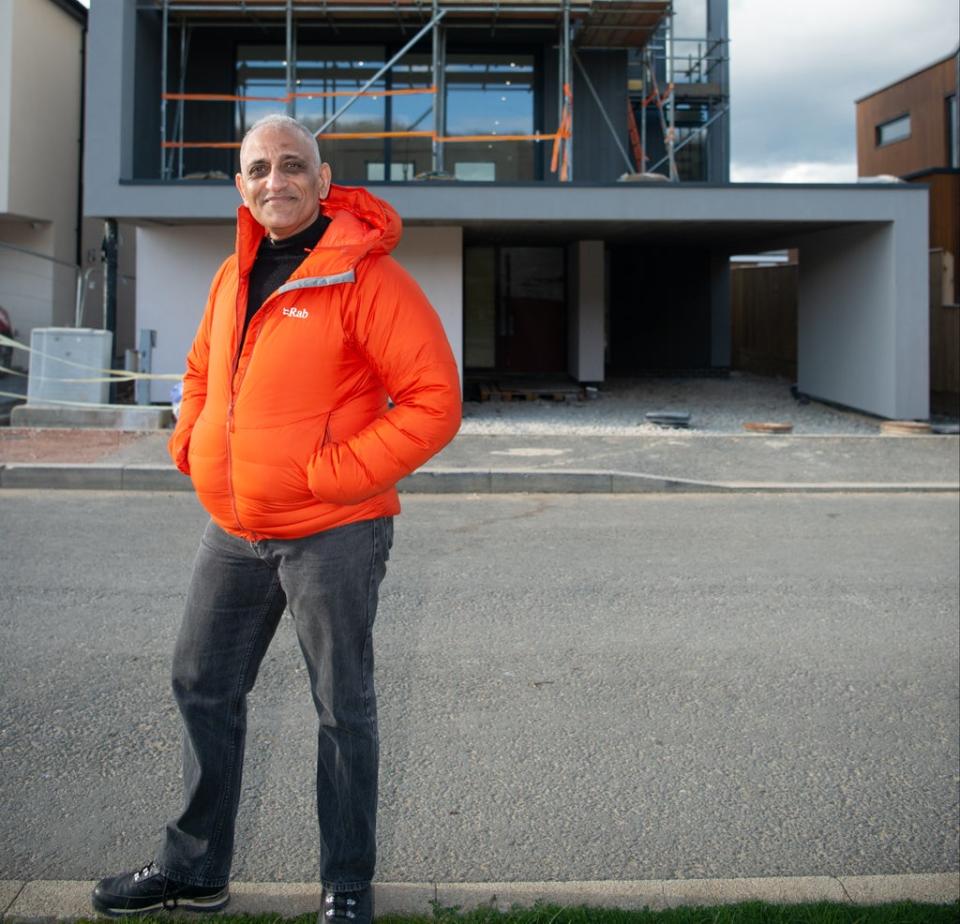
column 733, row 217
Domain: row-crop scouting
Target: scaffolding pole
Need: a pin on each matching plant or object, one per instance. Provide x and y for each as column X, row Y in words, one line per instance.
column 643, row 109
column 414, row 9
column 671, row 100
column 439, row 81
column 288, row 29
column 439, row 15
column 700, row 128
column 181, row 105
column 567, row 82
column 165, row 17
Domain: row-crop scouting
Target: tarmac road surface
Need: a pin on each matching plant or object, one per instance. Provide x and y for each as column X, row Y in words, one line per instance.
column 571, row 687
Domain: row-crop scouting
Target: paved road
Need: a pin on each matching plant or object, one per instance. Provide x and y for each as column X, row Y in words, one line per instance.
column 581, row 687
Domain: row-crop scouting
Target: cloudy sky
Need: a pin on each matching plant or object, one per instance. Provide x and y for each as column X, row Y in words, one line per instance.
column 797, row 66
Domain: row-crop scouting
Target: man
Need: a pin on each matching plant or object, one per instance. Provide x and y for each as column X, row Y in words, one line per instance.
column 286, row 433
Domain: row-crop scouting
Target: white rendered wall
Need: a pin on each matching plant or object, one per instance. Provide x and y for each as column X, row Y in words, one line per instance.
column 585, row 333
column 863, row 337
column 434, row 257
column 40, row 80
column 6, row 85
column 175, row 266
column 43, row 110
column 174, row 269
column 26, row 282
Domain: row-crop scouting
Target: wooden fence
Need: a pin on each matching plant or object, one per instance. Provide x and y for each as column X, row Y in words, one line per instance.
column 944, row 337
column 764, row 336
column 764, row 318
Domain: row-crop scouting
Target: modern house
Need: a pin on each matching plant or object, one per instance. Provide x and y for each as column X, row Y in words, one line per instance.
column 517, row 139
column 910, row 129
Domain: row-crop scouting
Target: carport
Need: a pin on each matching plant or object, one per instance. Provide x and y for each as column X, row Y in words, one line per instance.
column 863, row 338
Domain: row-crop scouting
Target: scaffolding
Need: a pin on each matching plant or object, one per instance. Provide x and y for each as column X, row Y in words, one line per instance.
column 579, row 24
column 695, row 74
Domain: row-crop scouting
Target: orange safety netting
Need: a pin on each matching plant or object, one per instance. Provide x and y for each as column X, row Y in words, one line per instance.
column 562, row 134
column 340, row 136
column 318, row 94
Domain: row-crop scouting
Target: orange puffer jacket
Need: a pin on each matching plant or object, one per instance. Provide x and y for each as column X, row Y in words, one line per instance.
column 291, row 434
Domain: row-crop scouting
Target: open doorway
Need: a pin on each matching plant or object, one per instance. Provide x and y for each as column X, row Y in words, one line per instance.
column 515, row 310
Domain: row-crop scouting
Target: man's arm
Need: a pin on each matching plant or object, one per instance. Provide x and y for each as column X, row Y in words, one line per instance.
column 397, row 330
column 194, row 382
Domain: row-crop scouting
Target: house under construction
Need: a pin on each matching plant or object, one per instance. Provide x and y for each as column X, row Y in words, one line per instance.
column 561, row 166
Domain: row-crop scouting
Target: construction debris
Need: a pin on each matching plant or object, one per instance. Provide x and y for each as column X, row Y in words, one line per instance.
column 768, row 426
column 904, row 428
column 678, row 420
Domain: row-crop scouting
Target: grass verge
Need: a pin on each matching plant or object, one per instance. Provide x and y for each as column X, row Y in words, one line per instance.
column 744, row 913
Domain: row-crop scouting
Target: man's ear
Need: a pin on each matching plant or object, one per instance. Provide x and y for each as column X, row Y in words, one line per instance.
column 239, row 181
column 326, row 177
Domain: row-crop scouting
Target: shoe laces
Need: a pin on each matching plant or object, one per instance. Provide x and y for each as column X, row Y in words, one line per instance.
column 339, row 905
column 151, row 869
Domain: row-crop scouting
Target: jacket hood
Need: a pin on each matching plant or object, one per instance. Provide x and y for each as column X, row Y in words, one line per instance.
column 361, row 224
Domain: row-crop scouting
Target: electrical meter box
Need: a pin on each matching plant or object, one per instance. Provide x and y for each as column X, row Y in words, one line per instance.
column 63, row 355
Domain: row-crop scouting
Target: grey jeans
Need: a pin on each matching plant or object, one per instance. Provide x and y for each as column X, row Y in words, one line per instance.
column 239, row 589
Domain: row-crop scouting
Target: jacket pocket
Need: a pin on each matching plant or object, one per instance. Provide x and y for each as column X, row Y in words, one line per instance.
column 310, row 462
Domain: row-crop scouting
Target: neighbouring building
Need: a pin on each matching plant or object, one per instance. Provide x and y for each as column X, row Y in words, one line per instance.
column 519, row 140
column 51, row 264
column 910, row 129
column 41, row 71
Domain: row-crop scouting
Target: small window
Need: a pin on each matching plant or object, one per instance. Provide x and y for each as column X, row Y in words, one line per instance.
column 894, row 130
column 376, row 171
column 482, row 171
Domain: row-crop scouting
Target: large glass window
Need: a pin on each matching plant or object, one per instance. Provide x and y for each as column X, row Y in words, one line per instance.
column 326, row 77
column 342, row 71
column 490, row 95
column 411, row 112
column 261, row 72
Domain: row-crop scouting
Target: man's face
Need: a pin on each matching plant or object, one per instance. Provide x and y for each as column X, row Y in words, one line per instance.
column 280, row 181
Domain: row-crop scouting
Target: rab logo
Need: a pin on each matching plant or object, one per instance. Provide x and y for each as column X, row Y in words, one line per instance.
column 296, row 312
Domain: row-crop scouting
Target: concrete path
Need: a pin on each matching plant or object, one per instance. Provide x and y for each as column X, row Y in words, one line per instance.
column 672, row 461
column 65, row 900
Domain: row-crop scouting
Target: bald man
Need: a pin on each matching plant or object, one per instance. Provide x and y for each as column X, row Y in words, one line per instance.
column 286, row 432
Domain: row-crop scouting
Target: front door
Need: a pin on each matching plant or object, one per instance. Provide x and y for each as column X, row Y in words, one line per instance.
column 515, row 318
column 531, row 316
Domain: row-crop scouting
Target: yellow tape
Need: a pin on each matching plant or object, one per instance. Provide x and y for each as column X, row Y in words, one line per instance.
column 33, row 400
column 113, row 375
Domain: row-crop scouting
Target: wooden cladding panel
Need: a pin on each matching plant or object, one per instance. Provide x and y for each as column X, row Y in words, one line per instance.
column 945, row 212
column 924, row 97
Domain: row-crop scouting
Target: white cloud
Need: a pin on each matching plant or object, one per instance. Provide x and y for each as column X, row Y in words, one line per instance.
column 806, row 171
column 797, row 69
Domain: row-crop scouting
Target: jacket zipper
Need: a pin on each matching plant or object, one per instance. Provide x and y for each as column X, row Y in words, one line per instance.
column 229, row 422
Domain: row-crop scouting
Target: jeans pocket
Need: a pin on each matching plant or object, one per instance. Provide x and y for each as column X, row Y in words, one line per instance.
column 386, row 536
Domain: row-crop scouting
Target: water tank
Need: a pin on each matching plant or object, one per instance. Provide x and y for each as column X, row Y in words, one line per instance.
column 64, row 353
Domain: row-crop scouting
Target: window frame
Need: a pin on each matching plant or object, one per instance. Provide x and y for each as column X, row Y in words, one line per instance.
column 878, row 130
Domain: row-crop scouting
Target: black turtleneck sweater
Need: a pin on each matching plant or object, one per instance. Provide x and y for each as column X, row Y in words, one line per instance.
column 276, row 261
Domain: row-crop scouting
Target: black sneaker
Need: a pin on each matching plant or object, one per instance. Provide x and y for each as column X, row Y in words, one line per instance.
column 356, row 907
column 148, row 890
